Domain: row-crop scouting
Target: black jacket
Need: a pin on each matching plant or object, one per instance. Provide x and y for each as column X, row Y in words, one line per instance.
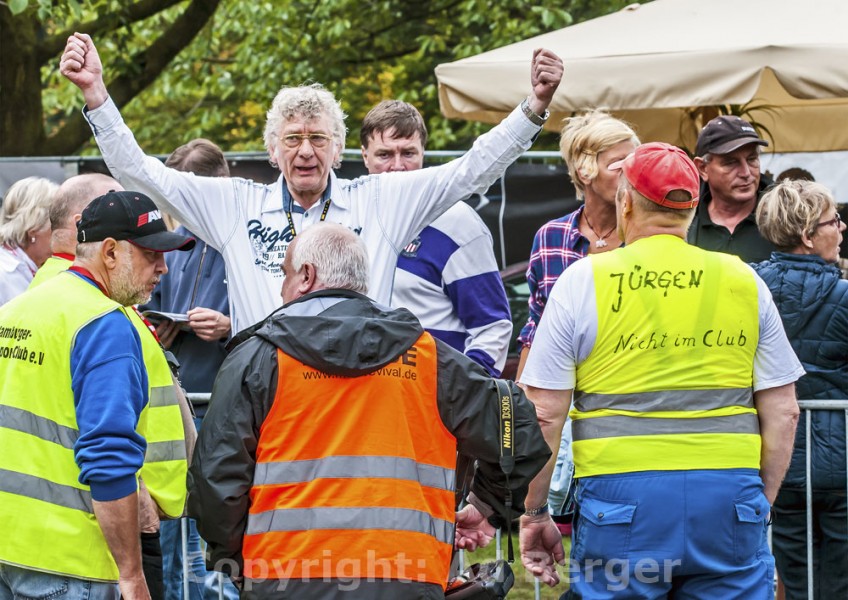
column 813, row 304
column 745, row 241
column 343, row 333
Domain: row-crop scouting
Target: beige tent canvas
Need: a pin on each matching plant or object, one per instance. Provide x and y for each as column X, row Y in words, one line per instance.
column 666, row 66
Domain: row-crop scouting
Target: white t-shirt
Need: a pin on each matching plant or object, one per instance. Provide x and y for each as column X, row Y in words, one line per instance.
column 569, row 326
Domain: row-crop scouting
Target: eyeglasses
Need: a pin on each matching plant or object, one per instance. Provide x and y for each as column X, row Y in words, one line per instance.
column 316, row 140
column 837, row 220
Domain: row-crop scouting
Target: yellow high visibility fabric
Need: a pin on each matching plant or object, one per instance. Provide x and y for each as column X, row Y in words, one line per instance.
column 51, row 267
column 671, row 318
column 53, row 528
column 165, row 467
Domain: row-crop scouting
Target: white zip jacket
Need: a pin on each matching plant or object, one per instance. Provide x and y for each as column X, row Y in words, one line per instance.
column 246, row 223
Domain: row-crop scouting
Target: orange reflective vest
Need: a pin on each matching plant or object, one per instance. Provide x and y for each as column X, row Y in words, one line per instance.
column 354, row 476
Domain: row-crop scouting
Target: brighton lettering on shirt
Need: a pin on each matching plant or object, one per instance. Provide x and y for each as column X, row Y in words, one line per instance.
column 269, row 245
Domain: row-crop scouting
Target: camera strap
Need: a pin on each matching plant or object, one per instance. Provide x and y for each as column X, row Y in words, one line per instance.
column 507, row 458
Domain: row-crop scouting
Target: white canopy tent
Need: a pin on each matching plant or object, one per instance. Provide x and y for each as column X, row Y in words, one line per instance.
column 667, row 65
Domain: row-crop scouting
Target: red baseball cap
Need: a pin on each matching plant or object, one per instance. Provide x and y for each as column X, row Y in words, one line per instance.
column 656, row 169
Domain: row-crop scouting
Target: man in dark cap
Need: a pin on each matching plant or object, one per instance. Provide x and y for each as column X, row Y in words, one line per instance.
column 728, row 159
column 87, row 404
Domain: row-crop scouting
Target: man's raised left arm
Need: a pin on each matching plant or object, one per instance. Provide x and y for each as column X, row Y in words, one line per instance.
column 410, row 201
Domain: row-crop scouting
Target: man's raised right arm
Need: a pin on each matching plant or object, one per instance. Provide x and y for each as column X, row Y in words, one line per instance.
column 205, row 205
column 81, row 65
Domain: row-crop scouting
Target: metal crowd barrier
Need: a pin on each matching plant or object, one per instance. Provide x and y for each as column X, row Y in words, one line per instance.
column 806, row 405
column 195, row 399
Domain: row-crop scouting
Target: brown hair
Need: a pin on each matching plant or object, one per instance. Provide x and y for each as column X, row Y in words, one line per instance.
column 395, row 115
column 201, row 157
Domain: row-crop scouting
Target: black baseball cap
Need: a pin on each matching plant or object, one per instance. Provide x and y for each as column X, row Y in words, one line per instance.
column 129, row 216
column 725, row 134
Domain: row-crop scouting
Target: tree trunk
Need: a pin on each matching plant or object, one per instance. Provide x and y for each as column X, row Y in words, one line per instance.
column 21, row 113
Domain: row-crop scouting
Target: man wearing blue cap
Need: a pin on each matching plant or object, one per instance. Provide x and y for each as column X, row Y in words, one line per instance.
column 87, row 405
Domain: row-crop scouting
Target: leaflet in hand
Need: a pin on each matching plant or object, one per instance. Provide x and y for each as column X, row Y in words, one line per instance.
column 156, row 317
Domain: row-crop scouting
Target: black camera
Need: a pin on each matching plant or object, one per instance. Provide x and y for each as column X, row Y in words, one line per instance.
column 487, row 581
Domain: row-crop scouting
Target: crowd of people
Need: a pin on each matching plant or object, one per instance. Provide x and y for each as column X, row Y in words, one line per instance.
column 352, row 332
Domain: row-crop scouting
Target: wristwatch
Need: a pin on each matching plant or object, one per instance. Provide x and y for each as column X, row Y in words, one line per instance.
column 540, row 510
column 534, row 118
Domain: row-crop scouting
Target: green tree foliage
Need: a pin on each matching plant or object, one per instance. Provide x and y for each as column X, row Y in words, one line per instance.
column 211, row 67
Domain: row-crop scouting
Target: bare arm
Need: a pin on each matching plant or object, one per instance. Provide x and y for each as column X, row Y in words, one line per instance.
column 539, row 538
column 118, row 519
column 522, row 360
column 777, row 409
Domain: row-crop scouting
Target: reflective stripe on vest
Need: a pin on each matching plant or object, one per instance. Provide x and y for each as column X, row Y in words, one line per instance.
column 38, row 488
column 354, row 473
column 164, row 470
column 47, row 514
column 667, row 385
column 389, row 467
column 355, row 519
column 18, row 419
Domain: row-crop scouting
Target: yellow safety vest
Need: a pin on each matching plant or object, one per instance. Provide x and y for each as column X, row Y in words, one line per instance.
column 48, row 514
column 165, row 465
column 668, row 383
column 51, row 267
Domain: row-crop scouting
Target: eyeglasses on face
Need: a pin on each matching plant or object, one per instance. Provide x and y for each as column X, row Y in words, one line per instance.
column 837, row 220
column 316, row 140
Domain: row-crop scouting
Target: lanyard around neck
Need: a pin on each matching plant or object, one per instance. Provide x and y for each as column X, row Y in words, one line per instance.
column 288, row 202
column 323, row 216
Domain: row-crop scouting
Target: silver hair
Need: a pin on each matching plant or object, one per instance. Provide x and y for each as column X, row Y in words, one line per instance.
column 25, row 207
column 88, row 250
column 305, row 101
column 339, row 256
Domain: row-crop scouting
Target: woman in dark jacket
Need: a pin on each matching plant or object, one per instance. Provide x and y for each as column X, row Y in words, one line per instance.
column 800, row 218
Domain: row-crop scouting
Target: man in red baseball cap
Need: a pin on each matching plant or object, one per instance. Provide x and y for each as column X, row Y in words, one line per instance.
column 683, row 414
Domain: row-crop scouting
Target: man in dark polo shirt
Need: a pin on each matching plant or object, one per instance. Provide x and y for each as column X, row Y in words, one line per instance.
column 728, row 159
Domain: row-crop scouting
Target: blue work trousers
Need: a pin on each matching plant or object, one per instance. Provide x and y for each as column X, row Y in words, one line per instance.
column 672, row 534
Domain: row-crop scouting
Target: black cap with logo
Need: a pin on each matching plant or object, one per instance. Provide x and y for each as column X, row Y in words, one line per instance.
column 129, row 216
column 725, row 134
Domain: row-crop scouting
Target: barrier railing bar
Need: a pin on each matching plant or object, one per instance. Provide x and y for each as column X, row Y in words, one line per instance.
column 808, row 406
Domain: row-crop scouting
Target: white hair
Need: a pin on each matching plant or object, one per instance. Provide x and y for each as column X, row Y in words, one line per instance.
column 25, row 207
column 338, row 255
column 308, row 102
